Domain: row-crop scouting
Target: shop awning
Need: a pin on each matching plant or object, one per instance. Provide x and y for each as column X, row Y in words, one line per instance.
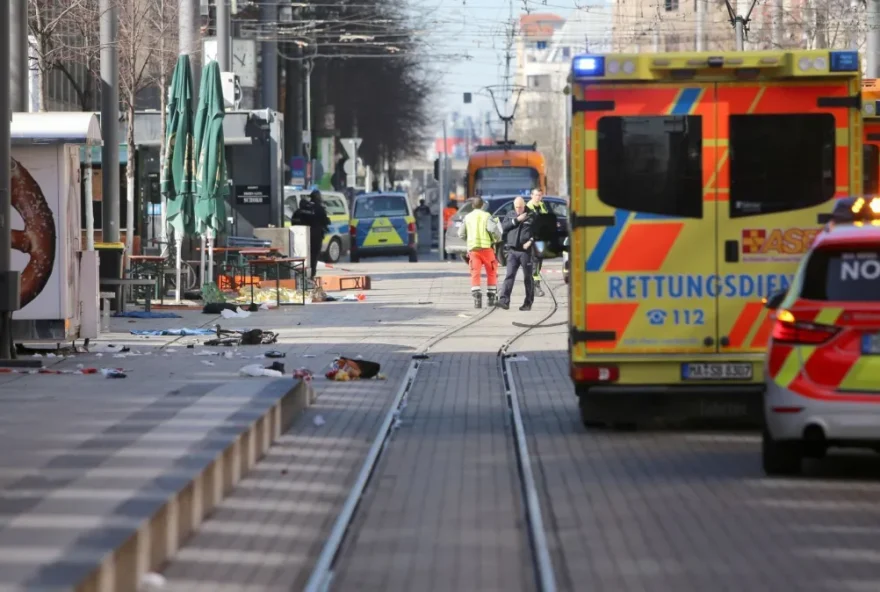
column 63, row 127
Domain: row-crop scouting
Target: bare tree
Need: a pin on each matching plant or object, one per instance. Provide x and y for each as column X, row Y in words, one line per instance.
column 136, row 53
column 46, row 22
column 165, row 30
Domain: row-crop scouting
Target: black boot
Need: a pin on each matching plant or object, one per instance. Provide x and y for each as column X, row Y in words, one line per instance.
column 538, row 290
column 478, row 300
column 490, row 299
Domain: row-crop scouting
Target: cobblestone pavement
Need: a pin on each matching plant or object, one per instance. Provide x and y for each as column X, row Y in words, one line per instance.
column 664, row 510
column 450, row 460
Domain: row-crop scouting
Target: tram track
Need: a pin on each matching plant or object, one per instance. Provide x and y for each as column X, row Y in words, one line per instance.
column 322, row 574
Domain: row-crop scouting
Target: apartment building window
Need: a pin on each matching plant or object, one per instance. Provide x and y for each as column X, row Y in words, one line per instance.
column 541, row 45
column 671, row 5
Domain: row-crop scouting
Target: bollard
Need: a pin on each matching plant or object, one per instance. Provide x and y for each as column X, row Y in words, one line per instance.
column 423, row 224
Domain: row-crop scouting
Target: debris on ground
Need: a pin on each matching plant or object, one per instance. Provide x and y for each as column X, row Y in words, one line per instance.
column 275, row 354
column 216, row 308
column 238, row 313
column 303, row 374
column 113, row 373
column 257, row 370
column 318, row 421
column 183, row 332
column 354, row 297
column 142, row 314
column 230, row 338
column 269, row 296
column 345, row 369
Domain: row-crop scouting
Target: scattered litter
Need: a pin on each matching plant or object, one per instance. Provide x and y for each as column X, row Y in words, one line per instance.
column 354, row 298
column 176, row 332
column 345, row 369
column 276, row 366
column 308, row 355
column 304, row 374
column 113, row 373
column 218, row 307
column 318, row 420
column 80, row 370
column 236, row 314
column 275, row 354
column 244, row 337
column 464, row 316
column 380, row 376
column 264, row 306
column 202, row 352
column 142, row 314
column 207, row 362
column 257, row 370
column 269, row 296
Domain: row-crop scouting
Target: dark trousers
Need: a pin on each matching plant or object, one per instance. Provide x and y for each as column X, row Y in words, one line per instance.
column 515, row 260
column 315, row 243
column 537, row 260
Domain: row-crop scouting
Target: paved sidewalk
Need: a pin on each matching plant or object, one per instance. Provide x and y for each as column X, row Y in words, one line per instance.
column 268, row 534
column 82, row 452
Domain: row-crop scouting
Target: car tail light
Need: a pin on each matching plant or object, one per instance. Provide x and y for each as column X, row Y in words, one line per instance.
column 595, row 373
column 352, row 229
column 411, row 227
column 788, row 329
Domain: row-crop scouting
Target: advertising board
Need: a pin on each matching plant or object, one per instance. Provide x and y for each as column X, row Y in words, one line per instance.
column 45, row 230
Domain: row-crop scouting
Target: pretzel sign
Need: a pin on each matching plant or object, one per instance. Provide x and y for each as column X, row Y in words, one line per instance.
column 38, row 237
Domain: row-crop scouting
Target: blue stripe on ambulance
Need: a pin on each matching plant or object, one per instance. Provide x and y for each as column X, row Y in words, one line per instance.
column 607, row 240
column 686, row 101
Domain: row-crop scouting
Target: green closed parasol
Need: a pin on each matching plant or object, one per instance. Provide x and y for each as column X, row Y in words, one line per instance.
column 178, row 166
column 211, row 187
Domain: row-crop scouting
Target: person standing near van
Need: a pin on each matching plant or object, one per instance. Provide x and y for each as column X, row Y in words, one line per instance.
column 480, row 230
column 539, row 228
column 518, row 228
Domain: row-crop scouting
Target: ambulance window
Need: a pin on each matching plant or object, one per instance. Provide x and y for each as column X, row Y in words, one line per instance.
column 780, row 163
column 651, row 164
column 871, row 169
column 851, row 275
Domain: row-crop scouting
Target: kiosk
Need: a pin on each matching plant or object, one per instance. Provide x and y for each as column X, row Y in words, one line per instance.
column 59, row 282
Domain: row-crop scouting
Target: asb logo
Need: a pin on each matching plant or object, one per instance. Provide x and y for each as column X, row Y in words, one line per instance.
column 776, row 244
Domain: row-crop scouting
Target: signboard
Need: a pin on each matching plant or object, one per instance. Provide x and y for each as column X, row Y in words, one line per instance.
column 298, row 171
column 45, row 229
column 248, row 195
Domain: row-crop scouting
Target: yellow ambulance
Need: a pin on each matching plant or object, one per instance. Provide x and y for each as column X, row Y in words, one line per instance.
column 698, row 181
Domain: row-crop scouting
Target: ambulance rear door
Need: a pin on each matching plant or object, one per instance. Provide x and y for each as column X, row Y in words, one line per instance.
column 643, row 247
column 787, row 153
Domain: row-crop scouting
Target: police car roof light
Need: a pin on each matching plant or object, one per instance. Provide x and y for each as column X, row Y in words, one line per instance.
column 588, row 66
column 844, row 61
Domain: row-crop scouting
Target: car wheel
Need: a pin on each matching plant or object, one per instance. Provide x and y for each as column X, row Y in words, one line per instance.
column 501, row 255
column 334, row 250
column 353, row 257
column 413, row 256
column 780, row 458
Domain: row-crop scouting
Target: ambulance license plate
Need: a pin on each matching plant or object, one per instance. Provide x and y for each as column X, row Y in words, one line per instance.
column 871, row 343
column 716, row 371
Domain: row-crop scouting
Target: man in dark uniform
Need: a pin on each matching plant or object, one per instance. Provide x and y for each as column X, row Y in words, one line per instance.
column 543, row 229
column 517, row 227
column 312, row 213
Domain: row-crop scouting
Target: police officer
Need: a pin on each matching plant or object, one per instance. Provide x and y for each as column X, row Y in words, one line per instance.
column 518, row 228
column 479, row 228
column 311, row 213
column 536, row 204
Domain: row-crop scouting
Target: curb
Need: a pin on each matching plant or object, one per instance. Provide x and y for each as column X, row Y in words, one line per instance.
column 167, row 530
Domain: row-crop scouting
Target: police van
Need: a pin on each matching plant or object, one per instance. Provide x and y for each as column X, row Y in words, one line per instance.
column 699, row 181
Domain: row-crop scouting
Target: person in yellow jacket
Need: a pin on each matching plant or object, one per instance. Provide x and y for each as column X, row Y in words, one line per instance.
column 481, row 232
column 537, row 205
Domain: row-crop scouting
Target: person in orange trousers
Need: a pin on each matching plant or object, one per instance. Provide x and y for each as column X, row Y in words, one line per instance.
column 481, row 231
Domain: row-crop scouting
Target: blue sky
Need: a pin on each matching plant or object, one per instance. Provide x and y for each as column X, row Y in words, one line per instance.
column 473, row 28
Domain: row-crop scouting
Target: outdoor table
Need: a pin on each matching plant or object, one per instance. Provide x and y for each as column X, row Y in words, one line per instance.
column 295, row 264
column 151, row 265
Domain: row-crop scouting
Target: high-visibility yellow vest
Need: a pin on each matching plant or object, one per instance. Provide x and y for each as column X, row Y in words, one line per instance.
column 475, row 225
column 540, row 207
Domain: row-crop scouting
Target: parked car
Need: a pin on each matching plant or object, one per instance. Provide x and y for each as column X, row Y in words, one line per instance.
column 499, row 206
column 822, row 368
column 337, row 241
column 383, row 224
